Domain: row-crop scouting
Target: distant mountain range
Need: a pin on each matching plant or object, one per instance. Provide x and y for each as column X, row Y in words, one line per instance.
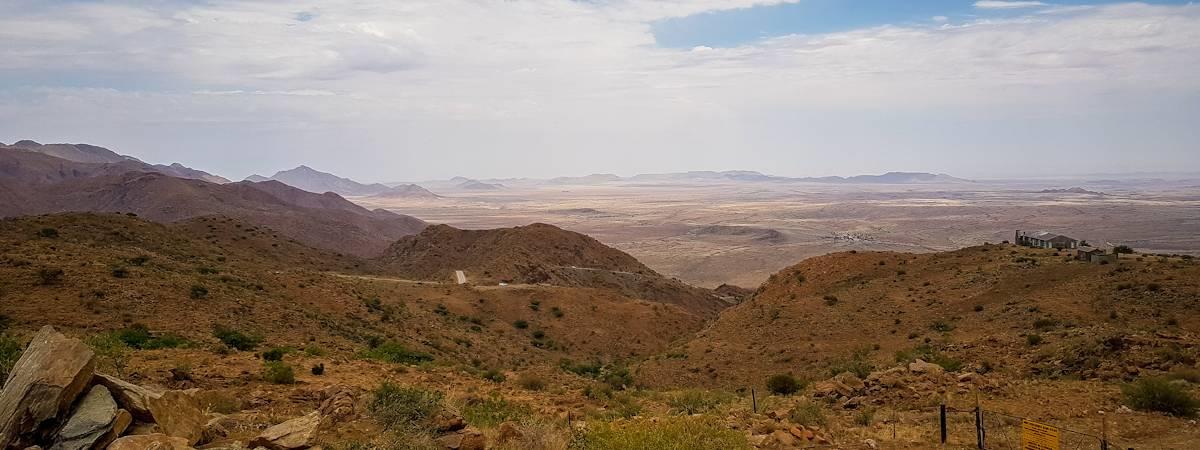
column 84, row 153
column 699, row 176
column 37, row 182
column 313, row 180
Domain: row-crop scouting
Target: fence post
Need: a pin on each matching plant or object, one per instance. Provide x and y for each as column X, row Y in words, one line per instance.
column 980, row 431
column 942, row 421
column 754, row 400
column 1104, row 433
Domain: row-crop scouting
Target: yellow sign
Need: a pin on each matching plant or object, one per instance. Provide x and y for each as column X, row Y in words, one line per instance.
column 1038, row 436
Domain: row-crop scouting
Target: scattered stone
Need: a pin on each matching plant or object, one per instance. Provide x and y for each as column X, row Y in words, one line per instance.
column 150, row 442
column 508, row 432
column 796, row 432
column 134, row 398
column 338, row 402
column 870, row 443
column 784, row 438
column 446, row 422
column 94, row 423
column 920, row 366
column 178, row 414
column 294, row 434
column 850, row 381
column 216, row 428
column 45, row 381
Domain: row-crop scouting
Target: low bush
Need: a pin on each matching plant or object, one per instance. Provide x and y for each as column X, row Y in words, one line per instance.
column 235, row 339
column 404, row 408
column 275, row 354
column 278, row 373
column 1033, row 339
column 198, row 292
column 696, row 401
column 858, row 363
column 494, row 376
column 138, row 336
column 318, row 369
column 783, row 384
column 10, row 352
column 494, row 410
column 395, row 352
column 49, row 275
column 672, row 433
column 531, row 382
column 520, row 324
column 808, row 413
column 1160, row 394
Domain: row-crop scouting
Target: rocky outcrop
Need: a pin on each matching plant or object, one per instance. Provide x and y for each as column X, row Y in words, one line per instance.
column 150, row 442
column 95, row 423
column 132, row 397
column 43, row 384
column 295, row 434
column 178, row 414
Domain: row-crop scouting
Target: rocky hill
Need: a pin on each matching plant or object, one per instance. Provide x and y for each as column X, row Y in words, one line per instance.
column 85, row 153
column 534, row 254
column 1024, row 312
column 315, row 181
column 35, row 183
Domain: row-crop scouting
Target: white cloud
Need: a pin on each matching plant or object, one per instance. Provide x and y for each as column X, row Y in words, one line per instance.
column 538, row 77
column 999, row 4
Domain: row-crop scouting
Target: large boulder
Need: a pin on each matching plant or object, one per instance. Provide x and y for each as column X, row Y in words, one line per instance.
column 95, row 422
column 51, row 373
column 134, row 398
column 178, row 414
column 922, row 367
column 295, row 434
column 150, row 442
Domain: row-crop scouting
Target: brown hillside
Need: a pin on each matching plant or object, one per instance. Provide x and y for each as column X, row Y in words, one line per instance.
column 976, row 306
column 119, row 270
column 37, row 184
column 536, row 254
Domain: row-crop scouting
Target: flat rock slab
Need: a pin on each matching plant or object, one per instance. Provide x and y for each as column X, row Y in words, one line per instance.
column 50, row 375
column 178, row 414
column 94, row 418
column 134, row 398
column 294, row 434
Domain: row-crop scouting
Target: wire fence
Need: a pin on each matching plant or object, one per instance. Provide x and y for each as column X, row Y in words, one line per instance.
column 994, row 430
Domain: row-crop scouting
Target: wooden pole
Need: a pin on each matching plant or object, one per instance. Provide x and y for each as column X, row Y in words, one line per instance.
column 754, row 400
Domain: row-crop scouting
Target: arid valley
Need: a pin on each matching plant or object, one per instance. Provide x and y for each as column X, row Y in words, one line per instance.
column 710, row 231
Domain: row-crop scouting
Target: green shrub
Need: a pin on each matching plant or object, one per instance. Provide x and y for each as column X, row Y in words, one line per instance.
column 783, row 384
column 318, row 369
column 494, row 376
column 531, row 382
column 941, row 326
column 1033, row 339
column 49, row 275
column 858, row 363
column 520, row 324
column 235, row 339
column 404, row 408
column 394, row 352
column 808, row 413
column 556, row 312
column 493, row 411
column 1045, row 323
column 697, row 401
column 864, row 417
column 140, row 260
column 831, row 300
column 275, row 354
column 138, row 336
column 48, row 233
column 671, row 433
column 10, row 352
column 111, row 353
column 538, row 334
column 198, row 292
column 120, row 272
column 1160, row 394
column 1123, row 249
column 314, row 350
column 279, row 373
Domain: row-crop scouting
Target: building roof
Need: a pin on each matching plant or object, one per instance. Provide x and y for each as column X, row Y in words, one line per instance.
column 1044, row 235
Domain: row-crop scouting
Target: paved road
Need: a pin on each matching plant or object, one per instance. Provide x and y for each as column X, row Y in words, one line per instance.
column 460, row 277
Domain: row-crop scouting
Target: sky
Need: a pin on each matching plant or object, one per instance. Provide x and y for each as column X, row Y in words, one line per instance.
column 380, row 90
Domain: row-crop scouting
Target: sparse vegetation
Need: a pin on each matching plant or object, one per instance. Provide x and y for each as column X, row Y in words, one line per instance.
column 697, row 401
column 235, row 339
column 675, row 433
column 520, row 324
column 198, row 292
column 784, row 384
column 1160, row 394
column 831, row 300
column 493, row 410
column 531, row 382
column 858, row 363
column 49, row 276
column 138, row 336
column 929, row 354
column 394, row 352
column 277, row 372
column 808, row 413
column 1033, row 339
column 402, row 408
column 10, row 352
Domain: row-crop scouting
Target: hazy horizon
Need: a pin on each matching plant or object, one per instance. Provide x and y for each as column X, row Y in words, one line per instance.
column 383, row 92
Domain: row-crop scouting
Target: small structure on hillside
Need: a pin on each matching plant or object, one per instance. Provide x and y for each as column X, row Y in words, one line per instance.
column 1045, row 239
column 1095, row 255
